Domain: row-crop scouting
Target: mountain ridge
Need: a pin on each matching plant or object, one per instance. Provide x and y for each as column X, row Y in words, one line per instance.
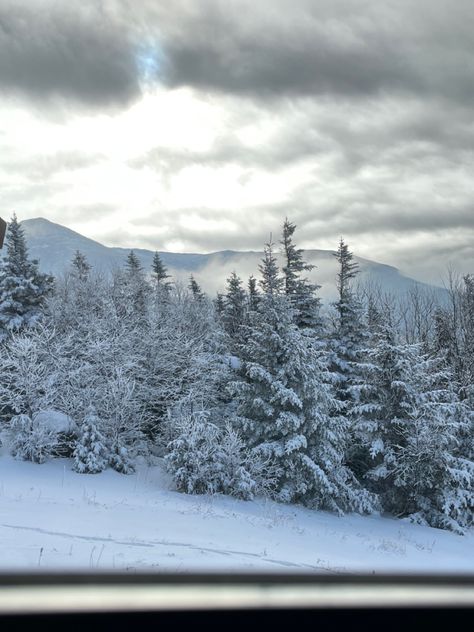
column 54, row 245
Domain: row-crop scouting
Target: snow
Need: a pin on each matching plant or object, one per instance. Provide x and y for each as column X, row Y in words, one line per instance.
column 55, row 421
column 234, row 362
column 54, row 518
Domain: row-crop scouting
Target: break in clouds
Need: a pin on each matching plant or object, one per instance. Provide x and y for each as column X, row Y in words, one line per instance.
column 200, row 126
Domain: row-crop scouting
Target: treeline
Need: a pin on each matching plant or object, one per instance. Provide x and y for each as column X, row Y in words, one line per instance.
column 259, row 391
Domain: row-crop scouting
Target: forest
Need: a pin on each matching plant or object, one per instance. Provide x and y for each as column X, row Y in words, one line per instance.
column 363, row 405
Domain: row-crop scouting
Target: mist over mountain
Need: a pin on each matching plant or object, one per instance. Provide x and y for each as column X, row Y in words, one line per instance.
column 54, row 246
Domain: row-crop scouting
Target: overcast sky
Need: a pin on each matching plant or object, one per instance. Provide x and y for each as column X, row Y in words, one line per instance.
column 199, row 125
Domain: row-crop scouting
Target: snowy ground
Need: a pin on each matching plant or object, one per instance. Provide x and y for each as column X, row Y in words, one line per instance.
column 51, row 517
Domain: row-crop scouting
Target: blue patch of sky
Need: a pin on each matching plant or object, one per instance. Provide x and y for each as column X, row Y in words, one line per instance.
column 151, row 61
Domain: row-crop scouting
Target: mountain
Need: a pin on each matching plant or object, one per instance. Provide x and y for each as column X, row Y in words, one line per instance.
column 54, row 246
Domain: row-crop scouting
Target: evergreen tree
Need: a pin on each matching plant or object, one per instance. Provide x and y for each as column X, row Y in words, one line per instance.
column 375, row 319
column 467, row 440
column 253, row 294
column 271, row 282
column 77, row 295
column 348, row 344
column 80, row 267
column 349, row 338
column 286, row 411
column 219, row 304
column 300, row 291
column 346, row 304
column 195, row 288
column 90, row 454
column 467, row 328
column 444, row 337
column 160, row 274
column 136, row 288
column 120, row 459
column 23, row 289
column 414, row 424
column 206, row 459
column 234, row 307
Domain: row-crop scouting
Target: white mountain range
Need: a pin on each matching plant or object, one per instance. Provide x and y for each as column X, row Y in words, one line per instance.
column 54, row 246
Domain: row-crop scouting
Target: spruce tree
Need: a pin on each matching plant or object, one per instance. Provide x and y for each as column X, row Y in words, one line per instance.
column 467, row 328
column 120, row 459
column 198, row 294
column 347, row 347
column 253, row 294
column 349, row 337
column 206, row 459
column 23, row 289
column 77, row 295
column 80, row 267
column 234, row 308
column 160, row 275
column 286, row 411
column 271, row 282
column 300, row 291
column 90, row 454
column 414, row 425
column 219, row 304
column 136, row 288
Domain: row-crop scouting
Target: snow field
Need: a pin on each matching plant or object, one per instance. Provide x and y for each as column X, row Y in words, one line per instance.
column 53, row 518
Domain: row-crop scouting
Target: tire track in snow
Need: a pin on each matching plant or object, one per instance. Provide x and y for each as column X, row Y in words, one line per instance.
column 168, row 543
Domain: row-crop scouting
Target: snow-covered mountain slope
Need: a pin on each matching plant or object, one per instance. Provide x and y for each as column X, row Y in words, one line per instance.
column 53, row 518
column 54, row 245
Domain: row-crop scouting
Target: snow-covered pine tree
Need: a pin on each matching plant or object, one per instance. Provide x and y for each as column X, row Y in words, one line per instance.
column 349, row 337
column 120, row 459
column 159, row 276
column 206, row 459
column 78, row 299
column 271, row 282
column 90, row 453
column 23, row 289
column 234, row 308
column 219, row 304
column 159, row 272
column 137, row 289
column 414, row 423
column 80, row 267
column 300, row 291
column 196, row 291
column 376, row 319
column 350, row 332
column 467, row 330
column 467, row 441
column 84, row 294
column 286, row 411
column 253, row 295
column 161, row 288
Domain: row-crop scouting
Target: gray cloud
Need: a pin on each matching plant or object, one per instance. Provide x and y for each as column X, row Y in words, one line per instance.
column 79, row 53
column 90, row 52
column 348, row 48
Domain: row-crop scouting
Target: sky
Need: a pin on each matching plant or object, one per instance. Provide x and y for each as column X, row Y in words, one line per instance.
column 199, row 126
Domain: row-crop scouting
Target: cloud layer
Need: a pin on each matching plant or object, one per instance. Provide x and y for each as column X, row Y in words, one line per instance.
column 200, row 126
column 48, row 51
